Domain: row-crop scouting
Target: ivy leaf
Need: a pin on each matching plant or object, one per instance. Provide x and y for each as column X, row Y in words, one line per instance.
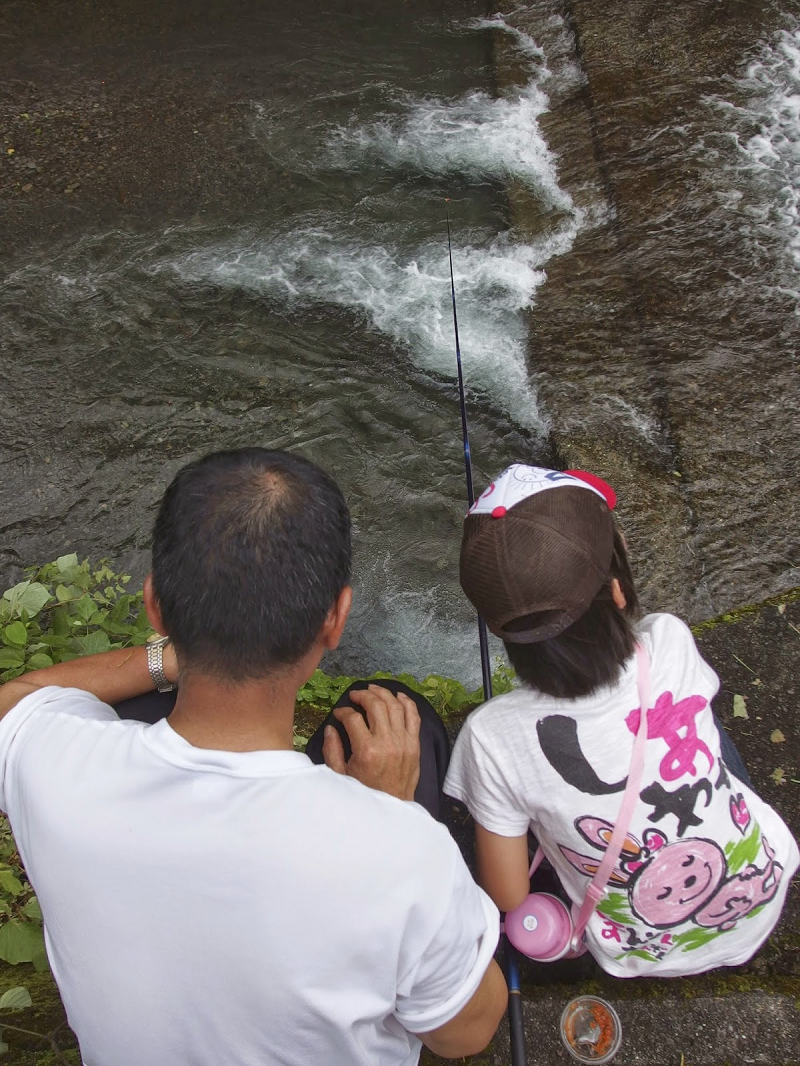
column 85, row 608
column 16, row 635
column 9, row 883
column 15, row 999
column 60, row 622
column 93, row 642
column 739, row 707
column 300, row 742
column 29, row 596
column 39, row 661
column 32, row 909
column 21, row 942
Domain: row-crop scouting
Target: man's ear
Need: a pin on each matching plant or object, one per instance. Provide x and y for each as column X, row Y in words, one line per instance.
column 151, row 605
column 336, row 619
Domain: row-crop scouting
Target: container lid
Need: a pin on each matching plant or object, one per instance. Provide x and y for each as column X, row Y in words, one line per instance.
column 591, row 1029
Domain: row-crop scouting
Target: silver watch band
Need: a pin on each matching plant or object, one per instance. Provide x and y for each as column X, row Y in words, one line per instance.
column 155, row 664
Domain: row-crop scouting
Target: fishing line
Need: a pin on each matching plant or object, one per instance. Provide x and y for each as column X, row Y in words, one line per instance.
column 483, row 640
column 515, row 1019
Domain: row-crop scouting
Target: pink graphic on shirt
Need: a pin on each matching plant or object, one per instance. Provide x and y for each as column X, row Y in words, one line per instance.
column 665, row 721
column 677, row 881
column 740, row 815
column 612, row 930
column 742, row 894
column 669, row 884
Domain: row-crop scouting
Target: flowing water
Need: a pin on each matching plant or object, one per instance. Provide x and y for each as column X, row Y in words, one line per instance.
column 305, row 303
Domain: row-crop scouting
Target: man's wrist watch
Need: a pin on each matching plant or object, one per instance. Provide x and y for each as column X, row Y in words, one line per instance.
column 155, row 664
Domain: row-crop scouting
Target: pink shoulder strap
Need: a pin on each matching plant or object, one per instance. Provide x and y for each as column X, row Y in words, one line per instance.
column 596, row 888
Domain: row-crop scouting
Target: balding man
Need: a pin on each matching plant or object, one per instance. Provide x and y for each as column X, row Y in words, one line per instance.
column 210, row 895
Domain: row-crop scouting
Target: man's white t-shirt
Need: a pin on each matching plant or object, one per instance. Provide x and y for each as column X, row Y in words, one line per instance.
column 253, row 909
column 706, row 866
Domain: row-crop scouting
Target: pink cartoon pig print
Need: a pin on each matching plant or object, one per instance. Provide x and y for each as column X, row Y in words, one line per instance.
column 669, row 884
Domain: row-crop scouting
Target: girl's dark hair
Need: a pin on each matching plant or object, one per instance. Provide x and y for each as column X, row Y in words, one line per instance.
column 591, row 652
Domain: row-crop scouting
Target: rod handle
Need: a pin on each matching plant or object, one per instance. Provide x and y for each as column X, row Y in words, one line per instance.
column 516, row 1026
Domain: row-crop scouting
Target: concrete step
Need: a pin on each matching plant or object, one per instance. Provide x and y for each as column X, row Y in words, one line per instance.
column 668, row 1028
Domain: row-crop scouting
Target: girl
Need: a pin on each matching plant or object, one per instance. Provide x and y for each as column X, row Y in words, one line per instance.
column 704, row 870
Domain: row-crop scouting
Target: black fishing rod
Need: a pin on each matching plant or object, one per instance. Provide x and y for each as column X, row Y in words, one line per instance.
column 483, row 640
column 516, row 1028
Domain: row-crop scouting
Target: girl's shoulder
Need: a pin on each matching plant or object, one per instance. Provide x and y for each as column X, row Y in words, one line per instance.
column 675, row 660
column 660, row 627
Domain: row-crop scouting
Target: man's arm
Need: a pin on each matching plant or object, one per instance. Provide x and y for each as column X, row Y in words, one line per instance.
column 475, row 1024
column 112, row 676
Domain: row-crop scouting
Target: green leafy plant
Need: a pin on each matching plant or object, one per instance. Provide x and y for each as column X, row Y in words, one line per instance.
column 66, row 609
column 446, row 695
column 21, row 936
column 60, row 611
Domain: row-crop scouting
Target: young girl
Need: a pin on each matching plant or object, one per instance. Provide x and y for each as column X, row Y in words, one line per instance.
column 704, row 870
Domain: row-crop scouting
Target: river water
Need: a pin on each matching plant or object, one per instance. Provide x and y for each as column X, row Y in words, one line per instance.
column 229, row 230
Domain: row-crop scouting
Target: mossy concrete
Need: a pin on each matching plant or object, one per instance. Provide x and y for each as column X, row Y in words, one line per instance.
column 45, row 1017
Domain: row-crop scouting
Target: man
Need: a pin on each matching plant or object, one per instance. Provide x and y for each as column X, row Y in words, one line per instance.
column 210, row 896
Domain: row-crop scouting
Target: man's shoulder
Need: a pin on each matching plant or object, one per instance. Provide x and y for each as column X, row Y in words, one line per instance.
column 51, row 703
column 53, row 699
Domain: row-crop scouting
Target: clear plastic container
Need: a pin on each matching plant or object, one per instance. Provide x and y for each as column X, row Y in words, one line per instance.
column 591, row 1029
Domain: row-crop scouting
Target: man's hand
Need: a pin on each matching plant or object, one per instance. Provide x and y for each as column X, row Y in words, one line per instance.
column 385, row 747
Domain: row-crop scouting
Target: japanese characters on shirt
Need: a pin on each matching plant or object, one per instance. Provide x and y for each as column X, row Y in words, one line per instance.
column 686, row 890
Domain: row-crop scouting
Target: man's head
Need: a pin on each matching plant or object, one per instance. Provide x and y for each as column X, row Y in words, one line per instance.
column 543, row 562
column 251, row 551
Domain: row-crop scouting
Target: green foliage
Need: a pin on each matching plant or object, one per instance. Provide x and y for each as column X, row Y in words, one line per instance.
column 15, row 999
column 446, row 695
column 62, row 610
column 21, row 937
column 66, row 609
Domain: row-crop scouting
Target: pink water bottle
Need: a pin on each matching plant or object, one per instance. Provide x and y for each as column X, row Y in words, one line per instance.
column 541, row 927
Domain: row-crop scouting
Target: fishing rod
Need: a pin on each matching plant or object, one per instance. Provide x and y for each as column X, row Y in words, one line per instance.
column 516, row 1027
column 483, row 640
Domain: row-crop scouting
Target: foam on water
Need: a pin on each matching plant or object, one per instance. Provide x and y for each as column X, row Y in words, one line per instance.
column 764, row 126
column 396, row 278
column 524, row 42
column 476, row 136
column 405, row 296
column 553, row 61
column 402, row 288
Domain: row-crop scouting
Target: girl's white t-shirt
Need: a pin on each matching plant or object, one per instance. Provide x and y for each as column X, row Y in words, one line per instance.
column 213, row 907
column 705, row 869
